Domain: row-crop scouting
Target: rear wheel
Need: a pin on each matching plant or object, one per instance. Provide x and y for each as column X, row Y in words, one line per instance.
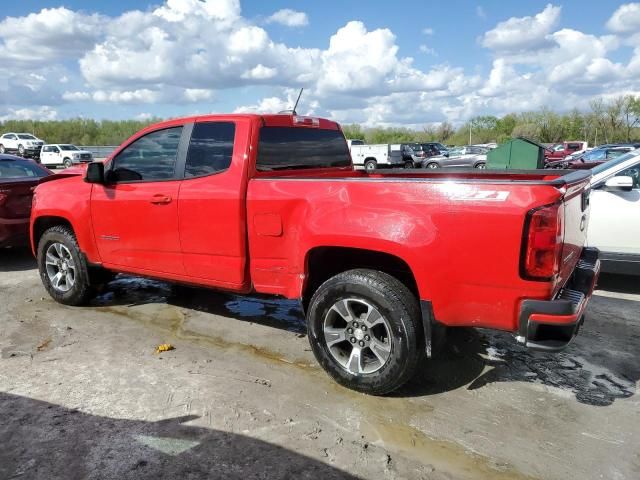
column 432, row 165
column 408, row 164
column 2, row 149
column 480, row 165
column 63, row 268
column 364, row 329
column 370, row 165
column 67, row 162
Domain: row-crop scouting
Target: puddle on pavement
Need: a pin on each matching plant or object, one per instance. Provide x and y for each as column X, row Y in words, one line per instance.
column 441, row 455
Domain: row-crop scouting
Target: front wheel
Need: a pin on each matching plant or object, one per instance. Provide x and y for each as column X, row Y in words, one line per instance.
column 432, row 165
column 2, row 150
column 364, row 329
column 63, row 268
column 67, row 162
column 481, row 165
column 408, row 165
column 21, row 150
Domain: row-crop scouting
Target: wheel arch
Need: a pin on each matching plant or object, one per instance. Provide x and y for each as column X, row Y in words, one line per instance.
column 42, row 224
column 323, row 262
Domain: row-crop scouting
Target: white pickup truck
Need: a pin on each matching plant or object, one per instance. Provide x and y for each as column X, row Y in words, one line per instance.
column 63, row 154
column 382, row 155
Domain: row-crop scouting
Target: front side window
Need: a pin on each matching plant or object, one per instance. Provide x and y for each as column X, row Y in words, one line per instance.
column 21, row 169
column 210, row 149
column 282, row 148
column 149, row 158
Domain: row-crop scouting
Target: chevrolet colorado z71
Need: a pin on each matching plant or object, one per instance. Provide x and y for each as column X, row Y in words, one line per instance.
column 272, row 204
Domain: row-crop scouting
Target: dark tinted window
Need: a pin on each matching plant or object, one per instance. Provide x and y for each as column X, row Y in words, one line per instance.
column 299, row 147
column 20, row 169
column 210, row 149
column 152, row 157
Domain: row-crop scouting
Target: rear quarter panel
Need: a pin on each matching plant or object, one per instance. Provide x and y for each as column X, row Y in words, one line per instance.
column 461, row 240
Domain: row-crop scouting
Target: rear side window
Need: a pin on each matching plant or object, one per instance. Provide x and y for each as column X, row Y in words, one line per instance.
column 283, row 148
column 152, row 157
column 210, row 149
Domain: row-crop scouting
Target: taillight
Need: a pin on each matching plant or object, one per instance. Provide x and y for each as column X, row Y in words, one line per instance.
column 543, row 239
column 4, row 194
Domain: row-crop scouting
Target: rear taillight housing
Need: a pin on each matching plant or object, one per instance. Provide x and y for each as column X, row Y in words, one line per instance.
column 543, row 240
column 4, row 194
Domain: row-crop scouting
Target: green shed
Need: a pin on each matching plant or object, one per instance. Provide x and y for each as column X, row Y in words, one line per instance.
column 518, row 153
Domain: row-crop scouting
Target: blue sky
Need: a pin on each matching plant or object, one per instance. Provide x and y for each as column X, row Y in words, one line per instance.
column 378, row 63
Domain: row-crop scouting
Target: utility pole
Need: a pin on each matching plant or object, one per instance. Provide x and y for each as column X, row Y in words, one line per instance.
column 469, row 133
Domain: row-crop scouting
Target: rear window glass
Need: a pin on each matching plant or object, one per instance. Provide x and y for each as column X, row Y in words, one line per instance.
column 210, row 149
column 299, row 147
column 20, row 169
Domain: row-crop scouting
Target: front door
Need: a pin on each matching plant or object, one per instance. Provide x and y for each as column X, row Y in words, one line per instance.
column 614, row 224
column 135, row 214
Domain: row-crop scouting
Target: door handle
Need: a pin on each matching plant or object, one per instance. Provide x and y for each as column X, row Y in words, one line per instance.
column 160, row 199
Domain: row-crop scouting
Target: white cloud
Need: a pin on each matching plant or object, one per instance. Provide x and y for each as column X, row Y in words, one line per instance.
column 41, row 113
column 626, row 19
column 260, row 72
column 428, row 31
column 289, row 18
column 144, row 116
column 143, row 95
column 426, row 49
column 76, row 96
column 197, row 94
column 51, row 34
column 523, row 33
column 480, row 13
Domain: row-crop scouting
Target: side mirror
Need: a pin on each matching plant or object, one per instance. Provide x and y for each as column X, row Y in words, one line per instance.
column 619, row 184
column 95, row 173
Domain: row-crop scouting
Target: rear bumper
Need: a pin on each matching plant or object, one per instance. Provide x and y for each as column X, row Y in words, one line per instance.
column 550, row 325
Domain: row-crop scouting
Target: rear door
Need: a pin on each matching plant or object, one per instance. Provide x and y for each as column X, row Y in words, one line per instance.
column 135, row 214
column 211, row 205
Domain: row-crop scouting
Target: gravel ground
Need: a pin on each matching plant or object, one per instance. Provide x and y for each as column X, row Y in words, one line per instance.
column 83, row 395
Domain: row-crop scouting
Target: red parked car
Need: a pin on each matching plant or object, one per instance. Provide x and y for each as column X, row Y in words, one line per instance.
column 272, row 204
column 560, row 151
column 18, row 178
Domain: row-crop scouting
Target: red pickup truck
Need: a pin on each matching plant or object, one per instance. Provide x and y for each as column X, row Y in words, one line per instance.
column 272, row 204
column 560, row 151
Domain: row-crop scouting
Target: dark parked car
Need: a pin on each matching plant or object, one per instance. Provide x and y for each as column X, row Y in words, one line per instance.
column 18, row 178
column 598, row 156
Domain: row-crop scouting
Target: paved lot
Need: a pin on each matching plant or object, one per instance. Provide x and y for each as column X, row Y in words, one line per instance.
column 83, row 395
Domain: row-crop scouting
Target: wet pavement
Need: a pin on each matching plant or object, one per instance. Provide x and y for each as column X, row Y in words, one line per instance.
column 82, row 394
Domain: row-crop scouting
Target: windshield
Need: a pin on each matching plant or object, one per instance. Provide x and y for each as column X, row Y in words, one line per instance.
column 282, row 148
column 68, row 147
column 26, row 137
column 616, row 161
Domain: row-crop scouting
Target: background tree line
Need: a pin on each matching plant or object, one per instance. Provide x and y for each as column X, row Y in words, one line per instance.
column 616, row 120
column 607, row 121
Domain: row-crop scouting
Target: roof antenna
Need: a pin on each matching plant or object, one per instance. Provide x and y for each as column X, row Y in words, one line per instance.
column 293, row 112
column 296, row 105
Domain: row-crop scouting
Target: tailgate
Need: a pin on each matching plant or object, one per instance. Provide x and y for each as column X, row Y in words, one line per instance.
column 576, row 219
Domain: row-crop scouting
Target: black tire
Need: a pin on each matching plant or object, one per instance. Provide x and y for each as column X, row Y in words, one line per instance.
column 395, row 303
column 408, row 165
column 2, row 150
column 432, row 165
column 480, row 165
column 67, row 163
column 21, row 150
column 81, row 290
column 370, row 165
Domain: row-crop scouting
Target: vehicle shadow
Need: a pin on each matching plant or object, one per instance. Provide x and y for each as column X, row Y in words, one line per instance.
column 619, row 283
column 598, row 367
column 44, row 440
column 16, row 260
